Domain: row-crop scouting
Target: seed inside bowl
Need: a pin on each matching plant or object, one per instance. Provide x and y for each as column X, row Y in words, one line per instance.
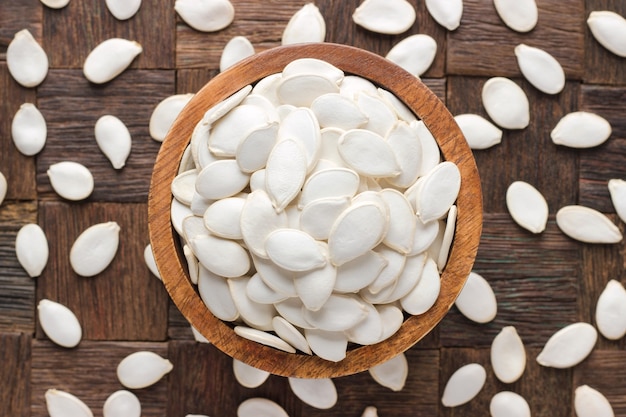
column 337, row 191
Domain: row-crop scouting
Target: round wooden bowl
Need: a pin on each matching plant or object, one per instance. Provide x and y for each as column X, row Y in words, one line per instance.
column 424, row 104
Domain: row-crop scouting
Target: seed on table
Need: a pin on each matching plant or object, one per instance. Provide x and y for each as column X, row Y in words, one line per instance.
column 113, row 139
column 94, row 249
column 587, row 225
column 540, row 68
column 193, row 266
column 123, row 9
column 476, row 301
column 463, row 385
column 255, row 407
column 508, row 356
column 29, row 130
column 142, row 369
column 63, row 404
column 589, row 402
column 507, row 404
column 121, row 403
column 415, row 53
column 370, row 411
column 479, row 132
column 527, row 206
column 55, row 4
column 4, row 186
column 569, row 346
column 206, row 15
column 235, row 50
column 249, row 376
column 506, row 103
column 31, row 249
column 611, row 311
column 26, row 60
column 59, row 323
column 581, row 130
column 109, row 59
column 617, row 190
column 71, row 180
column 521, row 15
column 319, row 393
column 389, row 17
column 609, row 29
column 392, row 373
column 306, row 25
column 148, row 257
column 447, row 13
column 165, row 113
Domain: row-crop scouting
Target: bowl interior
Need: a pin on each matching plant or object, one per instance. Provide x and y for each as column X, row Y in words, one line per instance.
column 424, row 104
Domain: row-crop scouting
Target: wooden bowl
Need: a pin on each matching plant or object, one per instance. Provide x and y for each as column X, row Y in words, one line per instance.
column 423, row 103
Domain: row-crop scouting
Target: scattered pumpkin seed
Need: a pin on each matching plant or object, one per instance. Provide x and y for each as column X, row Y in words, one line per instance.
column 569, row 346
column 31, row 249
column 122, row 403
column 617, row 189
column 587, row 225
column 319, row 393
column 386, row 17
column 540, row 68
column 109, row 59
column 235, row 50
column 94, row 249
column 476, row 301
column 55, row 4
column 506, row 103
column 581, row 130
column 123, row 9
column 306, row 25
column 392, row 373
column 463, row 385
column 508, row 357
column 206, row 15
column 255, row 407
column 71, row 180
column 142, row 369
column 447, row 13
column 609, row 29
column 479, row 132
column 148, row 257
column 527, row 206
column 62, row 404
column 26, row 60
column 611, row 311
column 415, row 53
column 589, row 402
column 29, row 130
column 3, row 187
column 113, row 139
column 249, row 376
column 59, row 323
column 165, row 113
column 521, row 16
column 508, row 403
column 370, row 411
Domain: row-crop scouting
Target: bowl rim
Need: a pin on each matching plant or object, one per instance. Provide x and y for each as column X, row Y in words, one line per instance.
column 383, row 73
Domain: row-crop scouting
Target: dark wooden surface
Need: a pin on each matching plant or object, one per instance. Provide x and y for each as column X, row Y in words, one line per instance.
column 542, row 282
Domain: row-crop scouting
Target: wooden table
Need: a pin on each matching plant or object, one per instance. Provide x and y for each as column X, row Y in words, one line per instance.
column 542, row 282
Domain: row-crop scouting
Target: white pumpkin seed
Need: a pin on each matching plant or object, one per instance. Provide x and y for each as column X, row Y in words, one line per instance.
column 31, row 249
column 319, row 393
column 386, row 17
column 193, row 227
column 301, row 89
column 508, row 403
column 508, row 357
column 94, row 249
column 587, row 225
column 331, row 346
column 314, row 66
column 569, row 346
column 476, row 301
column 415, row 53
column 59, row 323
column 540, row 68
column 407, row 280
column 198, row 337
column 527, row 206
column 370, row 411
column 142, row 369
column 230, row 130
column 259, row 219
column 123, row 9
column 391, row 374
column 360, row 228
column 290, row 334
column 255, row 407
column 165, row 113
column 113, row 139
column 479, row 132
column 193, row 266
column 341, row 312
column 337, row 110
column 369, row 330
column 611, row 311
column 438, row 191
column 221, row 179
column 589, row 402
column 402, row 221
column 388, row 276
column 258, row 291
column 184, row 186
column 360, row 272
column 264, row 338
column 178, row 213
column 249, row 376
column 329, row 183
column 277, row 278
column 254, row 314
column 401, row 109
column 285, row 173
column 109, row 59
column 431, row 156
column 425, row 235
column 424, row 295
column 306, row 25
column 63, row 404
column 121, row 403
column 463, row 385
column 302, row 126
column 318, row 216
column 609, row 29
column 236, row 49
column 292, row 310
column 392, row 318
column 223, row 257
column 368, row 153
column 3, row 187
column 148, row 257
column 267, row 87
column 521, row 15
column 407, row 149
column 26, row 60
column 29, row 130
column 314, row 287
column 216, row 295
column 352, row 86
column 447, row 13
column 581, row 130
column 381, row 117
column 446, row 240
column 223, row 218
column 617, row 189
column 255, row 148
column 206, row 15
column 71, row 180
column 506, row 103
column 218, row 111
column 55, row 4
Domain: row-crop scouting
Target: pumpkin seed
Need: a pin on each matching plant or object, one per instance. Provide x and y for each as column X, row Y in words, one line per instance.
column 165, row 113
column 391, row 374
column 370, row 411
column 249, row 376
column 230, row 130
column 386, row 17
column 425, row 235
column 275, row 277
column 55, row 4
column 71, row 180
column 198, row 337
column 402, row 111
column 254, row 314
column 264, row 338
column 62, row 404
column 527, row 206
column 402, row 221
column 368, row 153
column 407, row 149
column 589, row 402
column 314, row 287
column 121, row 403
column 569, row 346
column 388, row 276
column 446, row 241
column 609, row 29
column 259, row 292
column 184, row 186
column 540, row 68
column 369, row 330
column 206, row 15
column 587, row 225
column 611, row 311
column 290, row 334
column 508, row 357
column 617, row 189
column 479, row 132
column 381, row 117
column 216, row 295
column 329, row 183
column 476, row 301
column 415, row 53
column 267, row 87
column 314, row 66
column 255, row 407
column 581, row 130
column 113, row 139
column 360, row 272
column 508, row 403
column 431, row 156
column 236, row 49
column 318, row 393
column 407, row 280
column 306, row 25
column 392, row 318
column 26, row 60
column 521, row 16
column 29, row 130
column 193, row 227
column 59, row 323
column 292, row 310
column 331, row 346
column 123, row 9
column 447, row 13
column 31, row 249
column 148, row 257
column 223, row 218
column 142, row 369
column 285, row 173
column 94, row 249
column 424, row 295
column 109, row 59
column 221, row 179
column 336, row 110
column 340, row 313
column 3, row 187
column 506, row 103
column 255, row 148
column 223, row 257
column 319, row 215
column 178, row 213
column 193, row 266
column 352, row 86
column 438, row 192
column 463, row 385
column 302, row 126
column 301, row 89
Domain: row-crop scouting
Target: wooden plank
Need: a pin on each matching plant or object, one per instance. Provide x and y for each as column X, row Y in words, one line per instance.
column 124, row 302
column 483, row 45
column 528, row 154
column 85, row 24
column 18, row 169
column 89, row 372
column 17, row 294
column 192, row 80
column 15, row 374
column 535, row 279
column 17, row 15
column 604, row 371
column 178, row 328
column 602, row 66
column 72, row 106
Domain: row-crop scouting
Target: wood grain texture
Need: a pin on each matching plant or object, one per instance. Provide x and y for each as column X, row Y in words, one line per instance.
column 16, row 15
column 602, row 66
column 88, row 371
column 124, row 302
column 15, row 350
column 72, row 106
column 483, row 45
column 604, row 371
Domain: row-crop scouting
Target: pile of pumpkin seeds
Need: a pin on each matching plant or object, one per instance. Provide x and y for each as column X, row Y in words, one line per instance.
column 505, row 103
